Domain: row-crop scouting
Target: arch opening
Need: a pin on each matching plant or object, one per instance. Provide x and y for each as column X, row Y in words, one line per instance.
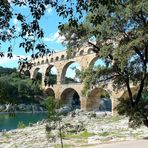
column 37, row 75
column 74, row 54
column 69, row 73
column 50, row 92
column 27, row 74
column 38, row 63
column 57, row 59
column 51, row 60
column 90, row 50
column 42, row 62
column 99, row 100
column 125, row 94
column 47, row 61
column 96, row 62
column 62, row 57
column 50, row 76
column 81, row 52
column 71, row 99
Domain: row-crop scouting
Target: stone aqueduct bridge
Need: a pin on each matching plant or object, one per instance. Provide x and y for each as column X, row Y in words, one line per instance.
column 85, row 57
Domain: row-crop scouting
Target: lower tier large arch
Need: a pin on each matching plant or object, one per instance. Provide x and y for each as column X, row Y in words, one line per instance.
column 125, row 94
column 99, row 100
column 71, row 98
column 49, row 92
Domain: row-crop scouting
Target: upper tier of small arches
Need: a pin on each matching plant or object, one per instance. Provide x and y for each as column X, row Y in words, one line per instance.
column 63, row 56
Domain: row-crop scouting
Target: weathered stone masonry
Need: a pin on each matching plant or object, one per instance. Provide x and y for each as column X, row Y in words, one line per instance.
column 85, row 57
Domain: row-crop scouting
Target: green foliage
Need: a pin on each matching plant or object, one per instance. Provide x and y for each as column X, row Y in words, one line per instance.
column 5, row 71
column 119, row 32
column 83, row 134
column 52, row 105
column 14, row 89
column 6, row 135
column 21, row 125
column 52, row 79
column 53, row 116
column 138, row 114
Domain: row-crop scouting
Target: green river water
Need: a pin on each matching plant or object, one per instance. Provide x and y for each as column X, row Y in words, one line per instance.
column 11, row 122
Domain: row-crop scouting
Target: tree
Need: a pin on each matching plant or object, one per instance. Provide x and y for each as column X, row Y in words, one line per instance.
column 118, row 32
column 118, row 29
column 52, row 107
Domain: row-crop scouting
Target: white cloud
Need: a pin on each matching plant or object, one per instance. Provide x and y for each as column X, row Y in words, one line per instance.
column 15, row 21
column 16, row 24
column 55, row 37
column 48, row 9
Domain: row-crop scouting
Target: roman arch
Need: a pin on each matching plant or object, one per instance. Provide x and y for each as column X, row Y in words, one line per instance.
column 85, row 57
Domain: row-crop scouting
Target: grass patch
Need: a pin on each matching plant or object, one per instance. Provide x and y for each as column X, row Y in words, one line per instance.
column 113, row 119
column 65, row 146
column 104, row 134
column 6, row 135
column 84, row 134
column 117, row 133
column 21, row 125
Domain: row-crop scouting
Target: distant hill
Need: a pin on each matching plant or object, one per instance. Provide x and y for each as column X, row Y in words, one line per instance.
column 5, row 71
column 52, row 79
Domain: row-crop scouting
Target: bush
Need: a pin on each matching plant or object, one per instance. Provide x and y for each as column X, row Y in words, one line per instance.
column 21, row 125
column 51, row 104
column 137, row 114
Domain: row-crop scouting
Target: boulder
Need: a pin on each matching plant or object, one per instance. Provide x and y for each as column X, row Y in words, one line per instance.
column 65, row 110
column 21, row 107
column 2, row 108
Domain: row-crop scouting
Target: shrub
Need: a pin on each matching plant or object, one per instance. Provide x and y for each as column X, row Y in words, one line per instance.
column 137, row 114
column 21, row 125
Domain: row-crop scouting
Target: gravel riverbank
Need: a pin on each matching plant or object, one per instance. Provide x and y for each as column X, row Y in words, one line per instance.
column 80, row 129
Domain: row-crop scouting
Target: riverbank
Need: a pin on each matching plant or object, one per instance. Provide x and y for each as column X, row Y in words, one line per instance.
column 15, row 108
column 80, row 129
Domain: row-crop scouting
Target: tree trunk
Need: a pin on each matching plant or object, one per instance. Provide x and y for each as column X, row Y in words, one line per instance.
column 61, row 139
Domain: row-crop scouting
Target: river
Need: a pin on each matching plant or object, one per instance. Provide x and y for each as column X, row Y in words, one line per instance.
column 11, row 122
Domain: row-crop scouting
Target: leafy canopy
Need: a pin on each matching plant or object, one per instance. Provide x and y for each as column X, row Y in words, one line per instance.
column 118, row 32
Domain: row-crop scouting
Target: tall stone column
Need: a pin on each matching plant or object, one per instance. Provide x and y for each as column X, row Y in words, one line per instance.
column 59, row 77
column 114, row 98
column 44, row 68
column 31, row 73
column 43, row 80
column 83, row 103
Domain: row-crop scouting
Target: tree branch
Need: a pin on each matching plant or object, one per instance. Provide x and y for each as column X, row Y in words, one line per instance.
column 129, row 91
column 108, row 78
column 143, row 78
column 139, row 53
column 142, row 18
column 97, row 49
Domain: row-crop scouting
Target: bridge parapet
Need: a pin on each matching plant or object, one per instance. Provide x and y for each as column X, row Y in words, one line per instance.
column 61, row 56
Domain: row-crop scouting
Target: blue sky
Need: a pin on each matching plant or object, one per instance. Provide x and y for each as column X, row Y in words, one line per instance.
column 52, row 39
